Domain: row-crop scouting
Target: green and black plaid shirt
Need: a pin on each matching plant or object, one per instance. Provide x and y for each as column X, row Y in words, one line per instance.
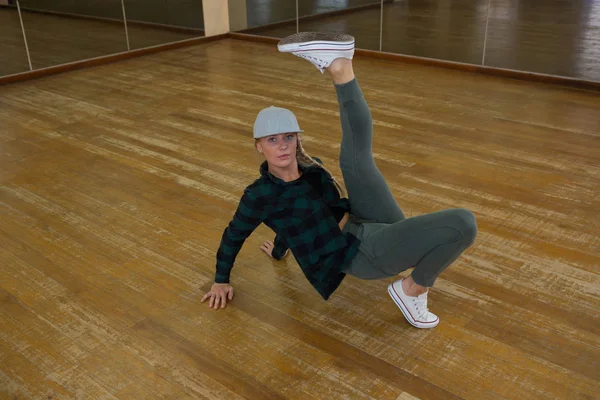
column 303, row 222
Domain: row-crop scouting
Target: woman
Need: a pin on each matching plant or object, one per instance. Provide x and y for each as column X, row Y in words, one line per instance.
column 366, row 234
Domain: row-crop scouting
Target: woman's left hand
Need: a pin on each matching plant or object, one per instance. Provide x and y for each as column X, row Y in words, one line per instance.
column 268, row 247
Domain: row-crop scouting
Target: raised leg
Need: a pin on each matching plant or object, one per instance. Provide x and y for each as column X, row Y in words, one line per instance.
column 369, row 194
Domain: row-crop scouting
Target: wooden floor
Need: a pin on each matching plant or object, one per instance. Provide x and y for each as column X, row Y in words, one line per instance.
column 55, row 40
column 116, row 184
column 556, row 37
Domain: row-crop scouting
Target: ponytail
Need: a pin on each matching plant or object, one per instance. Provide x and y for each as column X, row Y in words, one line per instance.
column 307, row 160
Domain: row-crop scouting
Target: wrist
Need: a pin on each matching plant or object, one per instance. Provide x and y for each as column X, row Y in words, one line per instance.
column 219, row 278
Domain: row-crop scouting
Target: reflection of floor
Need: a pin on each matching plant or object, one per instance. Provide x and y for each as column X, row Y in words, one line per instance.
column 186, row 13
column 13, row 57
column 56, row 40
column 556, row 38
column 546, row 36
column 262, row 12
column 114, row 194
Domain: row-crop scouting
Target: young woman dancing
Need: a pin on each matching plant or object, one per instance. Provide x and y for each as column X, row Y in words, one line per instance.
column 364, row 234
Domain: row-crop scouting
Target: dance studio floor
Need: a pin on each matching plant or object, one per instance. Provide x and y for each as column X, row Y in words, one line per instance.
column 116, row 183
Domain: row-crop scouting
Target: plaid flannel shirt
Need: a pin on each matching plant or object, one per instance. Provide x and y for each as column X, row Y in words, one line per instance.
column 303, row 222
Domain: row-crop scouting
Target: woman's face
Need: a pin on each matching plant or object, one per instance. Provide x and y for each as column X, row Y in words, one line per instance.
column 279, row 150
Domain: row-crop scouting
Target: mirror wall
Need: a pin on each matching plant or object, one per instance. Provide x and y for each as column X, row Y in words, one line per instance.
column 554, row 37
column 13, row 55
column 154, row 22
column 343, row 16
column 56, row 32
column 60, row 32
column 277, row 17
column 451, row 30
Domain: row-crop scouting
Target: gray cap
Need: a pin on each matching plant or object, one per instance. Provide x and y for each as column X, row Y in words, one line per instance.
column 273, row 121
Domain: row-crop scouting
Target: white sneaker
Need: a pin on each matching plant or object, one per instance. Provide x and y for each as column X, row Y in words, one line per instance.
column 414, row 308
column 318, row 48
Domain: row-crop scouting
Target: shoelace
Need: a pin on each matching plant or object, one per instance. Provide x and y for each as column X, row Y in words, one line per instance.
column 318, row 62
column 421, row 306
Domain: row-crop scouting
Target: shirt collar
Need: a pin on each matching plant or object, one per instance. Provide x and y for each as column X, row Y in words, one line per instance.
column 264, row 171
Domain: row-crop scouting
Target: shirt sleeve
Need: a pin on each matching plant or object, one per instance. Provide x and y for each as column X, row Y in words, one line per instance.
column 245, row 220
column 279, row 247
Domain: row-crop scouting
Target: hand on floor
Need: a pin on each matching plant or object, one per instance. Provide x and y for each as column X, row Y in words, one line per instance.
column 268, row 247
column 218, row 295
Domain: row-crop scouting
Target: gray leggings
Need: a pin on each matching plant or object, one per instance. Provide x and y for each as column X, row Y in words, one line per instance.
column 391, row 243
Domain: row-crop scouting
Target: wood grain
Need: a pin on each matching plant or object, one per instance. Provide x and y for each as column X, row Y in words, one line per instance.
column 116, row 183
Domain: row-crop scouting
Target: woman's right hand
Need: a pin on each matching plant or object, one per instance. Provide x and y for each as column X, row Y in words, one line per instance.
column 218, row 294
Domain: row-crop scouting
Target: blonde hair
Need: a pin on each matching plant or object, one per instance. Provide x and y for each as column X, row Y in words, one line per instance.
column 306, row 161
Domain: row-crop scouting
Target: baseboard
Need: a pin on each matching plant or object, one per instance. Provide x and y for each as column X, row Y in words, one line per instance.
column 250, row 37
column 492, row 71
column 92, row 62
column 132, row 22
column 485, row 70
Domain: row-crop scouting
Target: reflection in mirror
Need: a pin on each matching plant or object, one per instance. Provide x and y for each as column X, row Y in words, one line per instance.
column 553, row 37
column 359, row 18
column 13, row 54
column 154, row 22
column 63, row 31
column 238, row 15
column 451, row 30
column 273, row 18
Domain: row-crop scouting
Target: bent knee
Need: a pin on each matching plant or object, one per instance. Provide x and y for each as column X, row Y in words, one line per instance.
column 466, row 223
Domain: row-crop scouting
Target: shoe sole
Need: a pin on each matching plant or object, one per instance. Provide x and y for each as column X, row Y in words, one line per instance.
column 407, row 315
column 312, row 41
